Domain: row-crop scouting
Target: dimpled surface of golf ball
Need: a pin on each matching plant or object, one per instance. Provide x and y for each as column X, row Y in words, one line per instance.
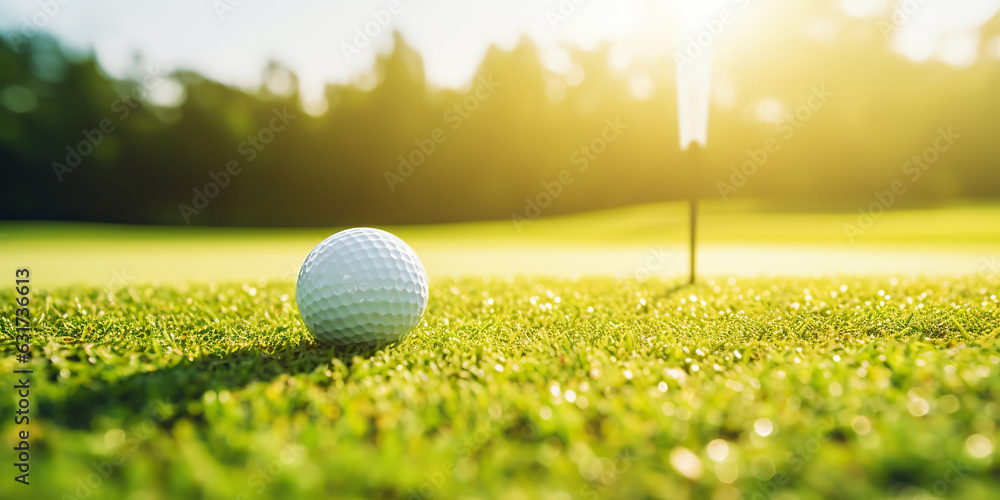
column 361, row 286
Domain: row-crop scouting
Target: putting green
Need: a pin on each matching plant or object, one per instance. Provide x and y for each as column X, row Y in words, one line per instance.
column 737, row 239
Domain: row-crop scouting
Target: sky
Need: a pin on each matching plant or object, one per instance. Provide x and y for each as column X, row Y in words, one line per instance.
column 324, row 42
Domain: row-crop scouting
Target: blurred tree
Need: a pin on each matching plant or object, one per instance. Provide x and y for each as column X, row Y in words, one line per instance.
column 77, row 145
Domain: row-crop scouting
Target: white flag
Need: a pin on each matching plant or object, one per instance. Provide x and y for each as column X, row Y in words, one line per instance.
column 693, row 56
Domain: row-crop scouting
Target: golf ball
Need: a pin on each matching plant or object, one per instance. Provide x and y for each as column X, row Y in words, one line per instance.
column 361, row 286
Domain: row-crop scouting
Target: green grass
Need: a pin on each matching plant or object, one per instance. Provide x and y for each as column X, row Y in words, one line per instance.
column 527, row 388
column 609, row 242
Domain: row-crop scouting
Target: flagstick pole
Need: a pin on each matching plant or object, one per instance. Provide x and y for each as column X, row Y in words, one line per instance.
column 694, row 225
column 694, row 154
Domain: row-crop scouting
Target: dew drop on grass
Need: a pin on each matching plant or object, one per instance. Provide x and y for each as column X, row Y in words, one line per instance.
column 836, row 390
column 861, row 425
column 728, row 472
column 717, row 450
column 686, row 462
column 668, row 409
column 918, row 407
column 979, row 446
column 763, row 427
column 948, row 403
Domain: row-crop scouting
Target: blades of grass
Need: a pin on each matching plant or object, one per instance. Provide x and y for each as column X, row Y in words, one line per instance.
column 906, row 327
column 958, row 325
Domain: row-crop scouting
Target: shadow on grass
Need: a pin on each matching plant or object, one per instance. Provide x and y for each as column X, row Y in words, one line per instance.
column 680, row 287
column 141, row 395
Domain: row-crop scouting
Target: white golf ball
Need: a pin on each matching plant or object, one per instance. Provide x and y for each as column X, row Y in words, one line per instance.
column 361, row 286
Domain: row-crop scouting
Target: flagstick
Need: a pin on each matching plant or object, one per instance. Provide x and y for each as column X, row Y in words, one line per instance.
column 694, row 154
column 694, row 225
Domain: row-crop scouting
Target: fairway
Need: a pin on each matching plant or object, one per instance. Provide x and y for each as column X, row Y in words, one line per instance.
column 744, row 239
column 567, row 389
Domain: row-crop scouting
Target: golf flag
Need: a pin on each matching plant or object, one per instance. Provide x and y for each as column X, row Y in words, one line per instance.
column 693, row 57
